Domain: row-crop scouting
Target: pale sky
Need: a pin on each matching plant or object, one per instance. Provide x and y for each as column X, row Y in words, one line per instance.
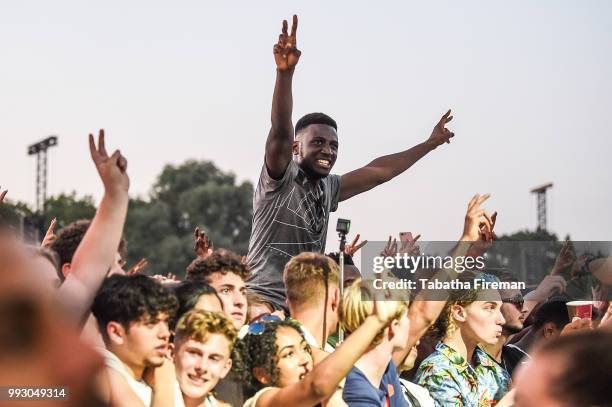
column 529, row 84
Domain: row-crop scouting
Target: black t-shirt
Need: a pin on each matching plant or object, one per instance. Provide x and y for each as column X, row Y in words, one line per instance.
column 512, row 357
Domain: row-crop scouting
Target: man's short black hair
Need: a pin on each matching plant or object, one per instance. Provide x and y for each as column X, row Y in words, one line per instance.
column 551, row 311
column 127, row 299
column 314, row 118
column 188, row 293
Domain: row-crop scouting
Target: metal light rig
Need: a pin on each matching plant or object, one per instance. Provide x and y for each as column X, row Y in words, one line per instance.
column 541, row 196
column 40, row 150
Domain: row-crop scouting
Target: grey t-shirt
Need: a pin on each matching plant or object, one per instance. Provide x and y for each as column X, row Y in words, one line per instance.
column 290, row 216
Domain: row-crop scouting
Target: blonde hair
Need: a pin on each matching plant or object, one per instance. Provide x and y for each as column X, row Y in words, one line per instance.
column 305, row 276
column 198, row 325
column 357, row 305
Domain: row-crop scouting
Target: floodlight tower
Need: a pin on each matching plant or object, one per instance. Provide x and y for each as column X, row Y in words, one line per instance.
column 541, row 197
column 40, row 150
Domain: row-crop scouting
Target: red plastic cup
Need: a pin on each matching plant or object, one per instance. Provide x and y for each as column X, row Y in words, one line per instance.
column 580, row 309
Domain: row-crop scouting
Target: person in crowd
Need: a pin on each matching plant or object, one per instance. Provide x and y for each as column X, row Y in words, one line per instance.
column 296, row 193
column 278, row 364
column 459, row 372
column 572, row 370
column 68, row 240
column 351, row 271
column 133, row 314
column 226, row 273
column 258, row 308
column 195, row 295
column 313, row 296
column 427, row 304
column 97, row 251
column 374, row 381
column 549, row 319
column 417, row 396
column 203, row 345
column 506, row 355
column 38, row 345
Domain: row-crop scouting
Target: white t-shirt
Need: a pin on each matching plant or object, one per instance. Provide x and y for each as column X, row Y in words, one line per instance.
column 418, row 392
column 252, row 402
column 139, row 387
column 312, row 341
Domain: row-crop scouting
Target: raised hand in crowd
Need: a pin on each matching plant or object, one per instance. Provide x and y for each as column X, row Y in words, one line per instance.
column 279, row 143
column 96, row 253
column 564, row 259
column 385, row 168
column 50, row 235
column 354, row 246
column 478, row 222
column 606, row 320
column 138, row 267
column 577, row 325
column 2, row 195
column 322, row 381
column 203, row 245
column 409, row 245
column 440, row 133
column 423, row 312
column 390, row 249
column 286, row 53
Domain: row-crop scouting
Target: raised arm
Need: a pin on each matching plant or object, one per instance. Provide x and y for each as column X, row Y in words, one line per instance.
column 323, row 380
column 387, row 167
column 96, row 253
column 280, row 139
column 423, row 311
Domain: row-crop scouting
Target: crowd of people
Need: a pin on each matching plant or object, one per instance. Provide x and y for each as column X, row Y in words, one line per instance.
column 280, row 325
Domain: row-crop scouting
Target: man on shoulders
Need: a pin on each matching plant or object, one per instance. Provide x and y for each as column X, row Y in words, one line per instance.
column 296, row 193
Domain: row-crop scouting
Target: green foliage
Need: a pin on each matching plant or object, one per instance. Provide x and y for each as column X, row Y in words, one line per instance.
column 67, row 209
column 160, row 228
column 195, row 193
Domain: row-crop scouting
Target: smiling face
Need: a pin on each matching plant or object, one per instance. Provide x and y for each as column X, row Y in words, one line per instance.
column 232, row 291
column 294, row 357
column 316, row 149
column 200, row 365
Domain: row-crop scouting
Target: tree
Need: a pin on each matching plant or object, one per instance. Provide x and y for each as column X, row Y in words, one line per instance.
column 67, row 208
column 195, row 193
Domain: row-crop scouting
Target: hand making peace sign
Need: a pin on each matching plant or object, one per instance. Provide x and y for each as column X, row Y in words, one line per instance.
column 286, row 54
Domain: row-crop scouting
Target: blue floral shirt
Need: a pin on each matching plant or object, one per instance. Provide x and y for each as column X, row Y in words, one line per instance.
column 452, row 381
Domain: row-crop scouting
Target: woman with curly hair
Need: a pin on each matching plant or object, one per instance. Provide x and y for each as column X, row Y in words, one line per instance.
column 459, row 372
column 277, row 364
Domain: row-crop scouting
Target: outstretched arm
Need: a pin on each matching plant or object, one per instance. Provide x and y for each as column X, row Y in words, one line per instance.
column 423, row 311
column 96, row 253
column 388, row 167
column 323, row 380
column 280, row 139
